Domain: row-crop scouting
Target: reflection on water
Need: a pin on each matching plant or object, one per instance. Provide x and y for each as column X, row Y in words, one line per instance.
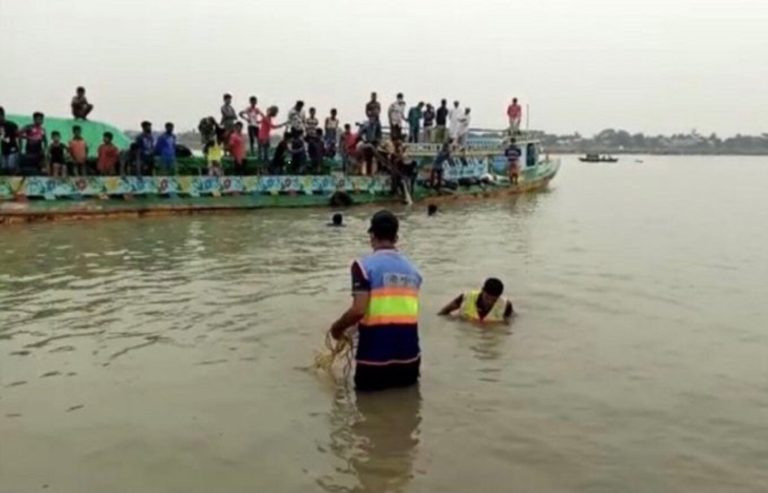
column 161, row 354
column 376, row 435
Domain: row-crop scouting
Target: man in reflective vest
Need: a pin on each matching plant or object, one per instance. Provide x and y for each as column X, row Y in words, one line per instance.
column 385, row 308
column 483, row 306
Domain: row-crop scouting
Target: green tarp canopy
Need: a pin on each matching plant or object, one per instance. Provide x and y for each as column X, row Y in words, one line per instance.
column 93, row 132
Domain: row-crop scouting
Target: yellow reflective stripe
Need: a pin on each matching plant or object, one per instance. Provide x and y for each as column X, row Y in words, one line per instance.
column 392, row 306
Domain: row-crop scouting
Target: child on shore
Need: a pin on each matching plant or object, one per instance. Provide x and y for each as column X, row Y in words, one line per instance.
column 109, row 156
column 78, row 150
column 57, row 156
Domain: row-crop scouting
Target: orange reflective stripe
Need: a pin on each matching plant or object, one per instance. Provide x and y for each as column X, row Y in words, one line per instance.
column 376, row 293
column 391, row 320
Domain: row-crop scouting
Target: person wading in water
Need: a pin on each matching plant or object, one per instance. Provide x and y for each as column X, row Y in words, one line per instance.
column 385, row 308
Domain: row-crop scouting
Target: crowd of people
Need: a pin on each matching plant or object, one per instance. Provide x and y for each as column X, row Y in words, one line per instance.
column 303, row 147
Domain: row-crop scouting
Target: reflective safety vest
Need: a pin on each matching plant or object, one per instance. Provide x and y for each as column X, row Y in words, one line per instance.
column 388, row 333
column 468, row 309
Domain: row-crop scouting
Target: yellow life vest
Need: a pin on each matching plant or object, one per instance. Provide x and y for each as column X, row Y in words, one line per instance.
column 468, row 309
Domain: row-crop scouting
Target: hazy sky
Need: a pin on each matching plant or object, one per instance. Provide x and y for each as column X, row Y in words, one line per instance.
column 644, row 65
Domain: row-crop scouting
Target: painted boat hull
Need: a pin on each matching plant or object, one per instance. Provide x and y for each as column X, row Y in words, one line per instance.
column 35, row 199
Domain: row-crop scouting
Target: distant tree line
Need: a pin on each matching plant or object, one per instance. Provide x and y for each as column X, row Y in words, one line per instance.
column 620, row 141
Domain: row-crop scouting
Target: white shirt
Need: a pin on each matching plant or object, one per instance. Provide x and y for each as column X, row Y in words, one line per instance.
column 463, row 125
column 453, row 120
column 396, row 113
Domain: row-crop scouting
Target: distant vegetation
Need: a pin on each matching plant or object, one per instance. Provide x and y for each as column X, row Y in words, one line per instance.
column 621, row 141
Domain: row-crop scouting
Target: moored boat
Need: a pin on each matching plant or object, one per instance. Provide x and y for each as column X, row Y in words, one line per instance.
column 477, row 171
column 597, row 158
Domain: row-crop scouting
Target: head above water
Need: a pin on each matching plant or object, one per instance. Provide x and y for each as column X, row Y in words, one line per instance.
column 492, row 289
column 431, row 209
column 337, row 219
column 384, row 228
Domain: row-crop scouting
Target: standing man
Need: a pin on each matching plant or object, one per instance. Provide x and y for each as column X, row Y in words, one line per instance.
column 9, row 145
column 414, row 122
column 252, row 116
column 454, row 118
column 228, row 114
column 296, row 118
column 396, row 116
column 165, row 147
column 515, row 115
column 385, row 308
column 373, row 107
column 145, row 150
column 81, row 108
column 463, row 128
column 429, row 122
column 441, row 119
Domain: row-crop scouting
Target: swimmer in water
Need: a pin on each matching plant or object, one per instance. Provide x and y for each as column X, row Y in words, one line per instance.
column 484, row 306
column 337, row 221
column 431, row 209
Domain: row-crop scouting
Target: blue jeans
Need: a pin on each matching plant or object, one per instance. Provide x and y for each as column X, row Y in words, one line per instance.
column 9, row 164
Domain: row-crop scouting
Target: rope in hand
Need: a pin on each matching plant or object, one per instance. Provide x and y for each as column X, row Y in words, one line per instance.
column 335, row 350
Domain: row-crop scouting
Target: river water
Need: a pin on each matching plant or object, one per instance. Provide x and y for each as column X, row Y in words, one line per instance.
column 171, row 354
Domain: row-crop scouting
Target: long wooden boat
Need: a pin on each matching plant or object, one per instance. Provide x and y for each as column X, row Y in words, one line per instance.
column 477, row 172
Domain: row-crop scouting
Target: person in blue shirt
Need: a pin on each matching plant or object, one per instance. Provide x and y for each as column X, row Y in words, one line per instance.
column 144, row 147
column 166, row 149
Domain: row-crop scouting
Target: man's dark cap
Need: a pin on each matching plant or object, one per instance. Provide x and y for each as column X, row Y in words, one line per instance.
column 384, row 225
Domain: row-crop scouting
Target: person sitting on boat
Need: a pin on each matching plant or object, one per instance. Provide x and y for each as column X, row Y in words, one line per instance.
column 277, row 165
column 81, row 108
column 484, row 305
column 298, row 150
column 444, row 156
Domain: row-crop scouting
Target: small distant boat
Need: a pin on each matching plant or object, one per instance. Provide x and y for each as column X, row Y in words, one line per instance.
column 597, row 158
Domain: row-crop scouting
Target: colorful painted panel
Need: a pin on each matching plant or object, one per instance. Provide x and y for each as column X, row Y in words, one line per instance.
column 191, row 186
column 9, row 186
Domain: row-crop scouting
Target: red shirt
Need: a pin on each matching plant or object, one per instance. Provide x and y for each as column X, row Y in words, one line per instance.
column 237, row 146
column 514, row 111
column 109, row 155
column 350, row 142
column 266, row 128
column 78, row 149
